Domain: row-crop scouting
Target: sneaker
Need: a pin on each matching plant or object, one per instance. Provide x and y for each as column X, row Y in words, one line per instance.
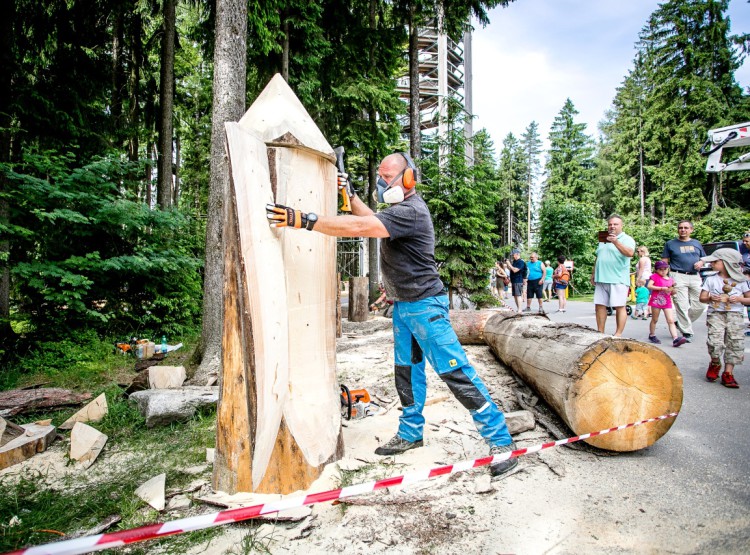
column 713, row 371
column 397, row 445
column 655, row 340
column 688, row 337
column 727, row 380
column 498, row 468
column 678, row 341
column 542, row 312
column 527, row 309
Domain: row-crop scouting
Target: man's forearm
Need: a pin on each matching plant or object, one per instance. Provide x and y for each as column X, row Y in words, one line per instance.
column 351, row 226
column 359, row 208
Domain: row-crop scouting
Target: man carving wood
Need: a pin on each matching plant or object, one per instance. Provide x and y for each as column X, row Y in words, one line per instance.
column 421, row 326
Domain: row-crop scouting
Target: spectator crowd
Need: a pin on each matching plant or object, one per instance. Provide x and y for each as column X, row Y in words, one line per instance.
column 683, row 284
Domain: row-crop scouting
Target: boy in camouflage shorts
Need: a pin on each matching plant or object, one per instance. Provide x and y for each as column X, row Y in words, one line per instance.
column 727, row 293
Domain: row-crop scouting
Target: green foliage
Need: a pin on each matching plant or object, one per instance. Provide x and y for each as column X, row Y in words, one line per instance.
column 461, row 198
column 510, row 216
column 570, row 159
column 568, row 227
column 85, row 254
column 682, row 84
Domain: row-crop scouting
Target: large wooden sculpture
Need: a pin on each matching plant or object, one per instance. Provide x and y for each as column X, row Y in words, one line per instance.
column 278, row 417
column 592, row 381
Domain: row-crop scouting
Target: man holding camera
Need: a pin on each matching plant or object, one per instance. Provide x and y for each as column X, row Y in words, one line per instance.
column 611, row 274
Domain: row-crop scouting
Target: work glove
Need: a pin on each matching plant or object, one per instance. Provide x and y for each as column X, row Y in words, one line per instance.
column 282, row 216
column 346, row 185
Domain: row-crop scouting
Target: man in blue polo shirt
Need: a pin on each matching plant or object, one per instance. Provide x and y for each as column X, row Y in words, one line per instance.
column 611, row 275
column 683, row 255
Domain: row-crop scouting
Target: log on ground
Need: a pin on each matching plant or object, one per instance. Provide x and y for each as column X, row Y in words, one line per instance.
column 592, row 381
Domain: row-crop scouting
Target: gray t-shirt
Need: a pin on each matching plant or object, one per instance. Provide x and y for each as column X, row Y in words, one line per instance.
column 407, row 257
column 683, row 254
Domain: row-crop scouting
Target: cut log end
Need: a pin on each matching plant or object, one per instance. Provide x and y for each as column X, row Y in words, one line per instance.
column 623, row 382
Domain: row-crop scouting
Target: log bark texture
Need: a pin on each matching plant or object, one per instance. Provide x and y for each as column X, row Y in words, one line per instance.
column 19, row 401
column 590, row 380
column 469, row 325
column 359, row 308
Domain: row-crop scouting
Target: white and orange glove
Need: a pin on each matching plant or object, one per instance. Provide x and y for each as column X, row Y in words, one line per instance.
column 282, row 216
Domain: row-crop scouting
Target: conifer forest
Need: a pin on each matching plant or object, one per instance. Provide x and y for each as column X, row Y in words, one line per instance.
column 110, row 177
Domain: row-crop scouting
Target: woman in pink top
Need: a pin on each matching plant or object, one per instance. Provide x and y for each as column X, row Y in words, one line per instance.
column 662, row 289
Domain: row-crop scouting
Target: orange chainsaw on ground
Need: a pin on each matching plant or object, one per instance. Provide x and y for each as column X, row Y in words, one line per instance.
column 356, row 404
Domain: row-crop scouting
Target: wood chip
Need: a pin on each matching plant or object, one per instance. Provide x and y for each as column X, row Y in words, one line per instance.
column 93, row 412
column 152, row 492
column 85, row 444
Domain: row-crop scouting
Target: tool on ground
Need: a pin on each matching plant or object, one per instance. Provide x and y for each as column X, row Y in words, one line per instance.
column 109, row 540
column 356, row 404
column 346, row 187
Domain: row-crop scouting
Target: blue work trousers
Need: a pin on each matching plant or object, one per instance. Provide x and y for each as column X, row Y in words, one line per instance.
column 422, row 329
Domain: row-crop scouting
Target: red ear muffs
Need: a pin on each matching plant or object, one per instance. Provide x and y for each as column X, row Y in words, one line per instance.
column 408, row 179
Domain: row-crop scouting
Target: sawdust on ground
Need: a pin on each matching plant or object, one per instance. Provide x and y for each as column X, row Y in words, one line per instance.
column 561, row 501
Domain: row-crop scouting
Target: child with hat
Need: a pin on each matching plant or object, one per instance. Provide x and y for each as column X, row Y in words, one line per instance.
column 727, row 293
column 662, row 289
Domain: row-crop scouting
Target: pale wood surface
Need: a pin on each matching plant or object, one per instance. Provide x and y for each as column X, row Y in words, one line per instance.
column 279, row 330
column 592, row 381
column 308, row 182
column 9, row 431
column 85, row 444
column 278, row 118
column 93, row 412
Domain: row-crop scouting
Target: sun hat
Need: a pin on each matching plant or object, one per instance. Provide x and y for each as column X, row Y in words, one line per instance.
column 659, row 264
column 732, row 260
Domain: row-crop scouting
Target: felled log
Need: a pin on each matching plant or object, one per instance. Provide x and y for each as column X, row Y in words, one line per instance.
column 359, row 308
column 34, row 439
column 590, row 380
column 19, row 401
column 278, row 422
column 469, row 325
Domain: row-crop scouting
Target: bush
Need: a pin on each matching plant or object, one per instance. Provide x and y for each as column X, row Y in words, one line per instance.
column 86, row 253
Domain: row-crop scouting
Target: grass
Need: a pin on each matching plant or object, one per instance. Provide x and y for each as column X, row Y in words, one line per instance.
column 43, row 508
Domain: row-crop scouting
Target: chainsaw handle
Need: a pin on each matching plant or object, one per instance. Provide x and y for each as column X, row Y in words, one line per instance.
column 346, row 395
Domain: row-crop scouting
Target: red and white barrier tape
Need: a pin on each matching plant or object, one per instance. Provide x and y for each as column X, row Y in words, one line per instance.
column 116, row 539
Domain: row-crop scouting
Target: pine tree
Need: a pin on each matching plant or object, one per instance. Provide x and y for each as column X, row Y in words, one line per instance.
column 570, row 157
column 461, row 198
column 689, row 63
column 532, row 149
column 511, row 208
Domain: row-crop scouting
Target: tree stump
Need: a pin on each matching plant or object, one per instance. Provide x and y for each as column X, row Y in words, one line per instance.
column 359, row 307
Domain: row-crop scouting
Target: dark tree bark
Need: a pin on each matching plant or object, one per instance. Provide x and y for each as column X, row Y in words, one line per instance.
column 415, row 124
column 7, row 64
column 177, row 192
column 285, row 52
column 117, row 72
column 134, row 77
column 230, row 61
column 166, row 107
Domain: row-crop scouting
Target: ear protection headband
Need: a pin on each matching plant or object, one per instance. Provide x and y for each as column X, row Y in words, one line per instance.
column 409, row 179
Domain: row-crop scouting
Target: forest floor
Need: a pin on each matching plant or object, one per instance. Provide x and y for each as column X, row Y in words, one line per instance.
column 573, row 499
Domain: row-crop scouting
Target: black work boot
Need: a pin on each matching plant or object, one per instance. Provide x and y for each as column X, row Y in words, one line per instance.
column 499, row 468
column 397, row 445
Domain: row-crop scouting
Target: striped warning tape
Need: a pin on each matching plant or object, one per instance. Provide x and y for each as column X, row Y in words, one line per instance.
column 116, row 539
